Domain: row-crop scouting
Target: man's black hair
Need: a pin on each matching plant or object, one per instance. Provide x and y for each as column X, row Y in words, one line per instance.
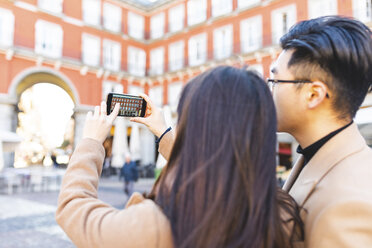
column 336, row 50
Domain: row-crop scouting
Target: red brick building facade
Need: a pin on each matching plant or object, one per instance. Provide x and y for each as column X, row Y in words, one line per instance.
column 91, row 47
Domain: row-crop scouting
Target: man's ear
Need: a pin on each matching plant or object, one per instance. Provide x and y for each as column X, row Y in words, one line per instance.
column 316, row 94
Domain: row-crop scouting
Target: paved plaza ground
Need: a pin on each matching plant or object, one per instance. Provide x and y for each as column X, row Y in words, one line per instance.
column 27, row 219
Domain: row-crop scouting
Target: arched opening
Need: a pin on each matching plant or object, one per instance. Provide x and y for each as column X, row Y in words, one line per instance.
column 45, row 120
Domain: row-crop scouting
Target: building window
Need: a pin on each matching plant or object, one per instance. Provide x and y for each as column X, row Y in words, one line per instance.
column 136, row 26
column 247, row 3
column 281, row 20
column 322, row 7
column 251, row 34
column 196, row 11
column 54, row 6
column 111, row 55
column 362, row 10
column 176, row 18
column 91, row 49
column 197, row 49
column 157, row 26
column 112, row 17
column 257, row 68
column 134, row 90
column 221, row 7
column 174, row 93
column 223, row 42
column 157, row 61
column 111, row 87
column 48, row 39
column 156, row 95
column 6, row 28
column 136, row 61
column 92, row 12
column 176, row 55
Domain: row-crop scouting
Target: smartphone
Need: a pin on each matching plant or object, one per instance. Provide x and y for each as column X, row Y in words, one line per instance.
column 130, row 106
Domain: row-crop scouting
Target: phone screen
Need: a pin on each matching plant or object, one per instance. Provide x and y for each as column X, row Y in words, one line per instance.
column 130, row 106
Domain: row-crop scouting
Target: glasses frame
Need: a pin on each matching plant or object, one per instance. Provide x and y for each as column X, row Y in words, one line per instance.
column 271, row 83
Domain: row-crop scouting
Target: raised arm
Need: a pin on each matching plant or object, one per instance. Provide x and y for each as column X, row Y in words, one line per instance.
column 154, row 120
column 90, row 222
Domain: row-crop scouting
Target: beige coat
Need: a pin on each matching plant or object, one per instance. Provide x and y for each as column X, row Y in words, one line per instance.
column 335, row 190
column 92, row 223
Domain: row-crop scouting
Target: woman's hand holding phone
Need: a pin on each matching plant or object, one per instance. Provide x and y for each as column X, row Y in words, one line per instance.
column 154, row 118
column 98, row 124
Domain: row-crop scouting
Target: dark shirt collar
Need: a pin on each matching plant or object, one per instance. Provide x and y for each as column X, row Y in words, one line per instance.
column 310, row 151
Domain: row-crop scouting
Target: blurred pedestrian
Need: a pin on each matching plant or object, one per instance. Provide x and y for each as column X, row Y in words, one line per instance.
column 130, row 173
column 106, row 170
column 53, row 157
column 106, row 166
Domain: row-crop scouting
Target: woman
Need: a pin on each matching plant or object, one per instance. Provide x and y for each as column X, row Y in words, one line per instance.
column 218, row 189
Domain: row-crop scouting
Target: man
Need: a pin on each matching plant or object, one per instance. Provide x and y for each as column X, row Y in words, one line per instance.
column 331, row 181
column 320, row 80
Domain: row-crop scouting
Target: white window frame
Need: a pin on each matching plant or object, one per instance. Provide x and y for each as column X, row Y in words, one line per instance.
column 221, row 7
column 317, row 8
column 176, row 55
column 111, row 87
column 278, row 27
column 362, row 10
column 157, row 61
column 91, row 49
column 196, row 12
column 136, row 26
column 176, row 17
column 48, row 39
column 198, row 56
column 111, row 55
column 223, row 39
column 92, row 12
column 251, row 34
column 136, row 61
column 157, row 25
column 247, row 3
column 135, row 90
column 156, row 95
column 257, row 68
column 112, row 17
column 174, row 94
column 54, row 6
column 6, row 28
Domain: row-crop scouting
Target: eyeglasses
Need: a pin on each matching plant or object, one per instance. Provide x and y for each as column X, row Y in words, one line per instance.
column 271, row 83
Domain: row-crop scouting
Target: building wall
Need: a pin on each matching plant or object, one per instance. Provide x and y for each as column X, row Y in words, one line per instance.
column 89, row 85
column 26, row 13
column 88, row 80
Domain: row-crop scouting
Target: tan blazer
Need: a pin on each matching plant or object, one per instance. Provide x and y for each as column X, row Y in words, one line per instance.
column 335, row 191
column 92, row 223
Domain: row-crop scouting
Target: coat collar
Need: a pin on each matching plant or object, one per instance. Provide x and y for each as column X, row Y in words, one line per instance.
column 294, row 174
column 301, row 184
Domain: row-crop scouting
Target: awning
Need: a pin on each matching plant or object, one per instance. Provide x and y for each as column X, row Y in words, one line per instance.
column 9, row 137
column 285, row 151
column 9, row 140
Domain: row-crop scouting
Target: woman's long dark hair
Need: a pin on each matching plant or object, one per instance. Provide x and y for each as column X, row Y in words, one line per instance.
column 219, row 187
